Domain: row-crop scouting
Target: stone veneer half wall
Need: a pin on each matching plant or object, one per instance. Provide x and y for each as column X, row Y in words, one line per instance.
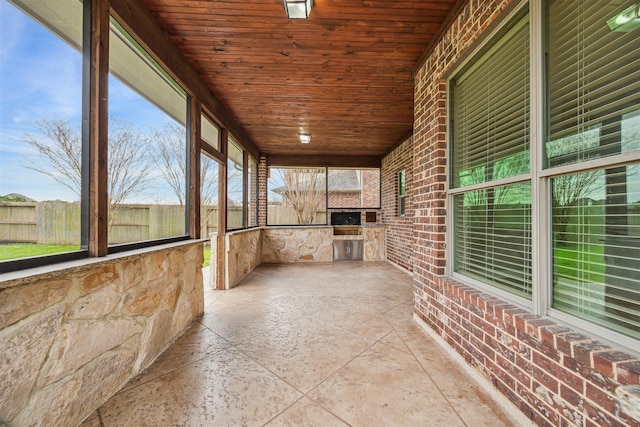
column 72, row 336
column 244, row 253
column 297, row 244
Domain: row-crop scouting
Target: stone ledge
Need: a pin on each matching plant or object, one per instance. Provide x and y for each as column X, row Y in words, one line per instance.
column 51, row 271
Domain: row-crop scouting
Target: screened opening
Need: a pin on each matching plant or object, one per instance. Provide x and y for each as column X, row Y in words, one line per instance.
column 147, row 146
column 209, row 132
column 353, row 188
column 41, row 162
column 235, row 183
column 297, row 196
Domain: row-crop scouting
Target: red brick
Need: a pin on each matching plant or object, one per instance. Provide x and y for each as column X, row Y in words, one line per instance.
column 628, row 372
column 598, row 417
column 565, row 342
column 582, row 351
column 549, row 333
column 605, row 400
column 570, row 396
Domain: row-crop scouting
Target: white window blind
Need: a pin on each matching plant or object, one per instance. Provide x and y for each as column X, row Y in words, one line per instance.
column 493, row 237
column 490, row 112
column 593, row 82
column 596, row 248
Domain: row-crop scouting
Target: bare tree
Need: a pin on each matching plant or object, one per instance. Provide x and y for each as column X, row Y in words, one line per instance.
column 59, row 148
column 171, row 157
column 305, row 192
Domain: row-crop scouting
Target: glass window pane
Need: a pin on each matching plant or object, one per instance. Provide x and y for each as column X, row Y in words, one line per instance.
column 354, row 188
column 297, row 196
column 40, row 128
column 253, row 193
column 593, row 82
column 147, row 145
column 490, row 112
column 235, row 182
column 493, row 237
column 596, row 247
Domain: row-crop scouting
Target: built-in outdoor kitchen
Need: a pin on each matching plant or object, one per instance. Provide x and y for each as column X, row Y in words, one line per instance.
column 353, row 235
column 348, row 235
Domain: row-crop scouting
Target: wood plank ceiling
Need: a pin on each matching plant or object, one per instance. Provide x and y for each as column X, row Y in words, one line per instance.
column 344, row 75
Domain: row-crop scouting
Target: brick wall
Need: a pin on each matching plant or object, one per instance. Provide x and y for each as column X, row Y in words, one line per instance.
column 399, row 228
column 555, row 375
column 370, row 188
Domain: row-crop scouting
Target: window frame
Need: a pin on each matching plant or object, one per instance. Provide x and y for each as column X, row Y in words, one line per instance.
column 402, row 192
column 511, row 17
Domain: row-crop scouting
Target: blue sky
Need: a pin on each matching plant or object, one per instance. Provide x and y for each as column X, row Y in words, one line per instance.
column 40, row 77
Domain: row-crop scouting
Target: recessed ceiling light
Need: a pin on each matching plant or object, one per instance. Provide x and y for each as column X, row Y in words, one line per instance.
column 305, row 138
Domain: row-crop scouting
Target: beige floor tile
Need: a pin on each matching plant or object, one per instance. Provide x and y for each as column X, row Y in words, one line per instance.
column 305, row 352
column 343, row 333
column 359, row 320
column 224, row 389
column 195, row 344
column 392, row 339
column 305, row 413
column 385, row 386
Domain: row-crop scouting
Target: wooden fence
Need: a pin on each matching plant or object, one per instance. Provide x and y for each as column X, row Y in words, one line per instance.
column 58, row 223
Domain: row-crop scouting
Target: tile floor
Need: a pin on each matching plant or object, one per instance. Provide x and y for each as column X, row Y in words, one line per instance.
column 305, row 345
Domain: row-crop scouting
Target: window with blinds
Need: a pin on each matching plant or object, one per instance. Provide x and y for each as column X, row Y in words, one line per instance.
column 489, row 140
column 493, row 237
column 593, row 82
column 593, row 98
column 490, row 112
column 596, row 248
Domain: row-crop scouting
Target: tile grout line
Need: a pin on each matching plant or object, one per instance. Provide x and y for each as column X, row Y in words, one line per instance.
column 430, row 377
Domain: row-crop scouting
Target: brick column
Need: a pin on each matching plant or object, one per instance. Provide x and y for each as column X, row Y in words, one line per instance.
column 263, row 172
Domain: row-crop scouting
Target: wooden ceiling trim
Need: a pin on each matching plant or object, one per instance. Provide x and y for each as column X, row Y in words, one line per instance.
column 324, row 161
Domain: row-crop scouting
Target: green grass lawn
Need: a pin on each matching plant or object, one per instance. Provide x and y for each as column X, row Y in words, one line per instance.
column 207, row 255
column 24, row 250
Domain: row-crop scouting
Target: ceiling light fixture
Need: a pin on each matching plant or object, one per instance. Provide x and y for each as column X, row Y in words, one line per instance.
column 298, row 9
column 625, row 21
column 305, row 138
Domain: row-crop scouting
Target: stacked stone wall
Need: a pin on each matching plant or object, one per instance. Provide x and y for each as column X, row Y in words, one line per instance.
column 556, row 375
column 72, row 337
